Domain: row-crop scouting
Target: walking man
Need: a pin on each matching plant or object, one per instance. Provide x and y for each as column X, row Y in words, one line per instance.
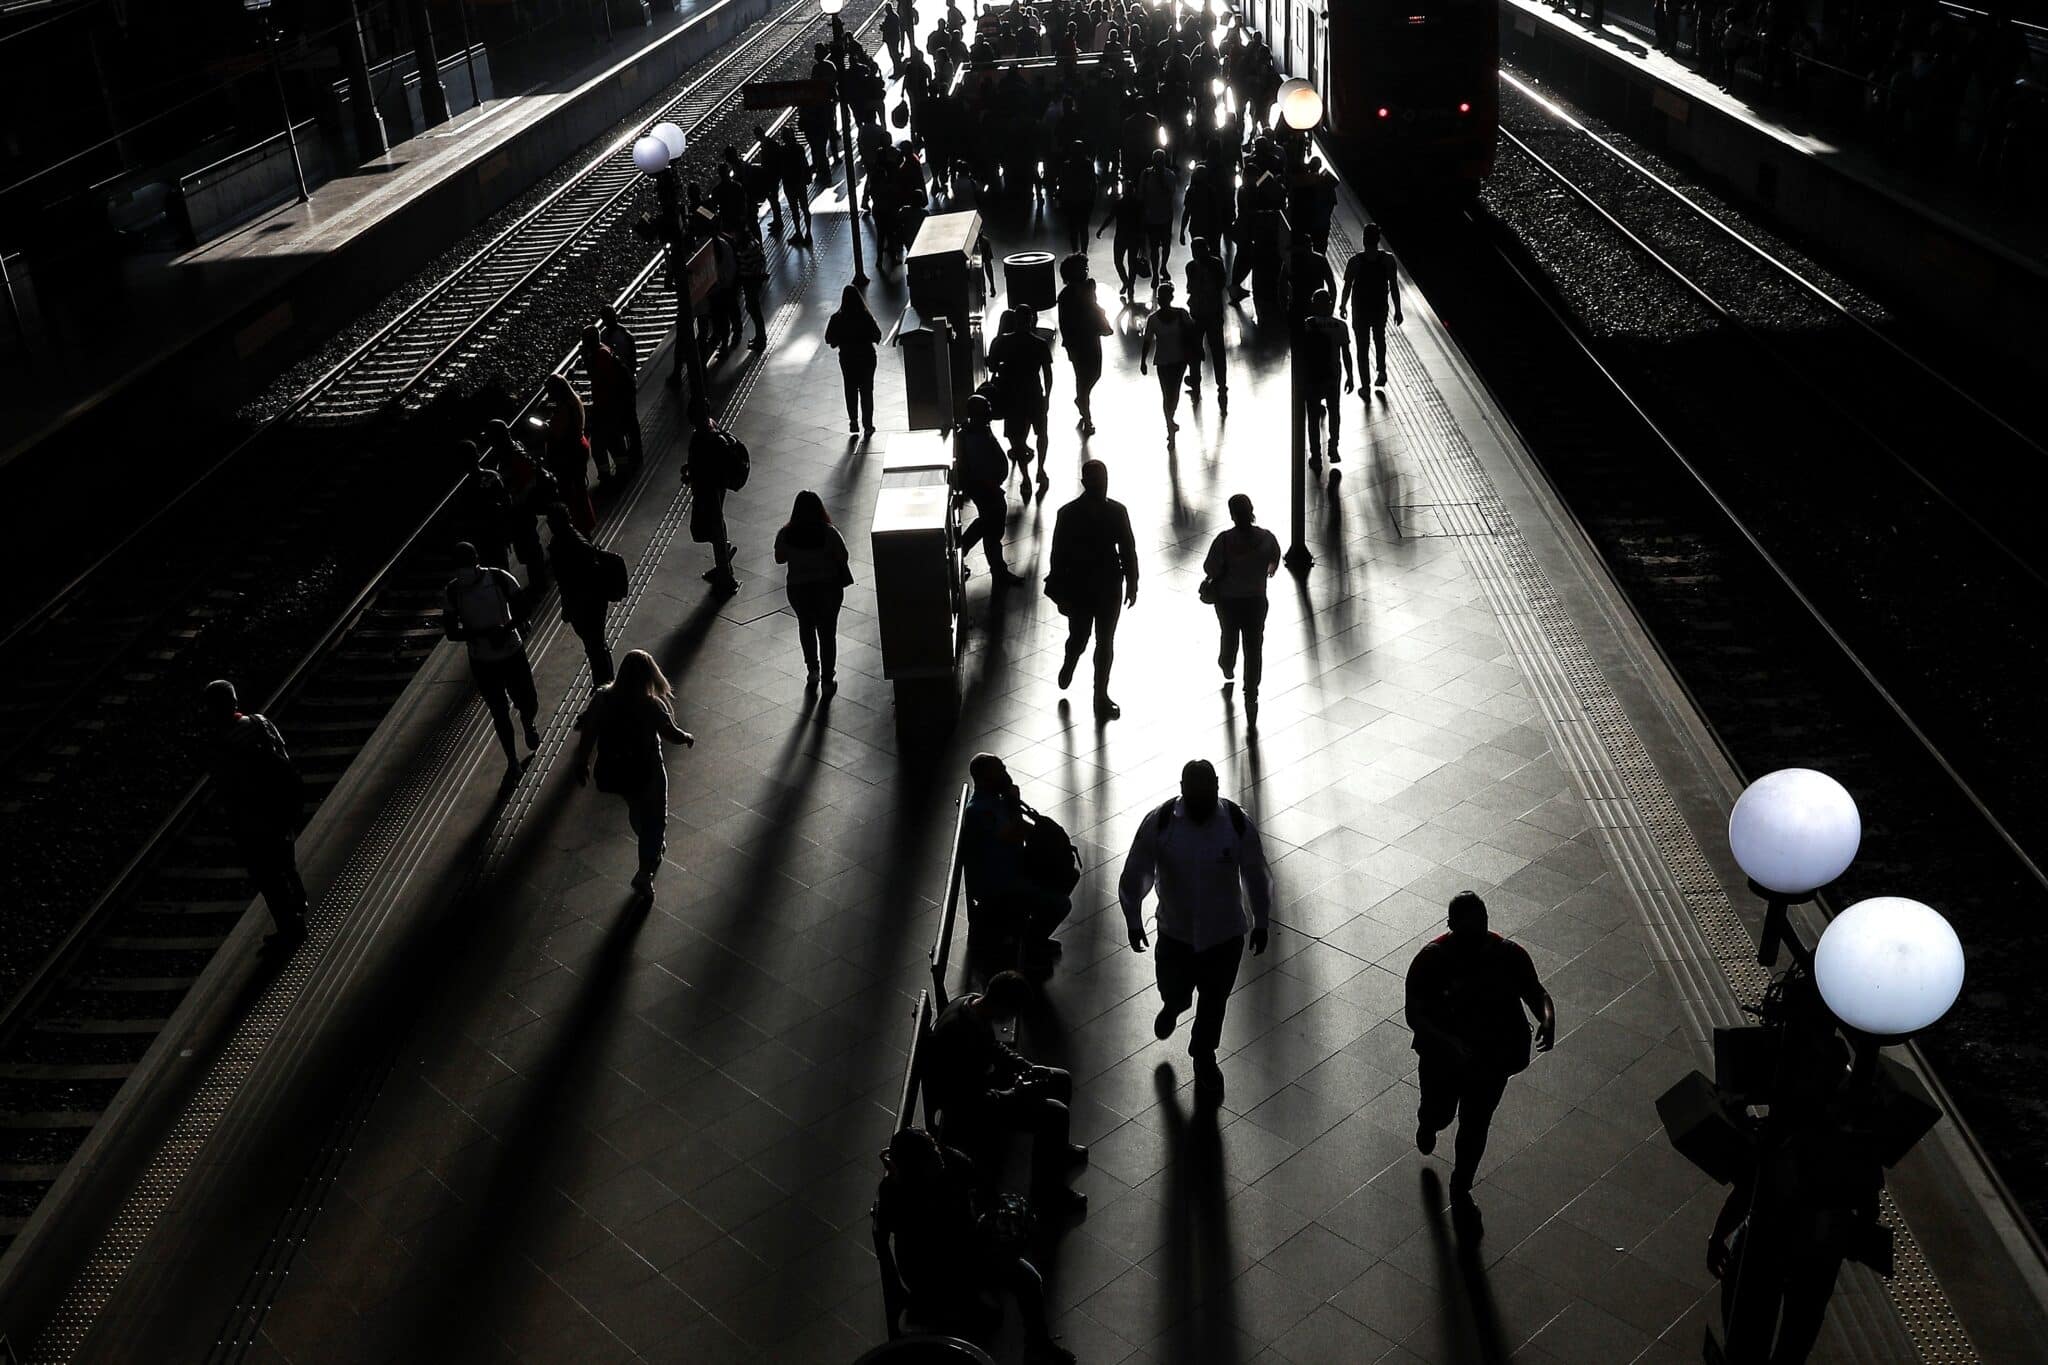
column 1466, row 992
column 1208, row 280
column 1373, row 277
column 1094, row 577
column 480, row 609
column 262, row 797
column 717, row 464
column 1204, row 856
column 980, row 470
column 1323, row 343
column 1239, row 562
column 1021, row 361
column 1170, row 343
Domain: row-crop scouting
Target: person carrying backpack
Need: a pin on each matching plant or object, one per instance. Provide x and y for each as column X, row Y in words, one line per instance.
column 980, row 472
column 1204, row 856
column 261, row 797
column 718, row 464
column 623, row 729
column 590, row 580
column 480, row 609
column 1020, row 867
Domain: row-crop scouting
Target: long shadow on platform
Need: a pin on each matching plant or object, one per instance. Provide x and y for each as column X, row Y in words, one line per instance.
column 1198, row 1277
column 477, row 1262
column 1468, row 1324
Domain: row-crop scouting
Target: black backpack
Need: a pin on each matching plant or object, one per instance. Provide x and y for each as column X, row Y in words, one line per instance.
column 1050, row 858
column 608, row 571
column 738, row 463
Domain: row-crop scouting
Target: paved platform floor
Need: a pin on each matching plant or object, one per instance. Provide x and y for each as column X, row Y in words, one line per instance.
column 600, row 1135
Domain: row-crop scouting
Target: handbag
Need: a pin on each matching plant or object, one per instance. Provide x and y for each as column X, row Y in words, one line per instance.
column 1206, row 591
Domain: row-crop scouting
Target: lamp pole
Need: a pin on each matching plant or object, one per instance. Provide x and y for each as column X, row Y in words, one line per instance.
column 1301, row 108
column 1882, row 971
column 848, row 148
column 656, row 155
column 260, row 8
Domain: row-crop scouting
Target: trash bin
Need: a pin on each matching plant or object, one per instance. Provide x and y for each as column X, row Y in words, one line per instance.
column 1028, row 279
column 928, row 386
column 917, row 566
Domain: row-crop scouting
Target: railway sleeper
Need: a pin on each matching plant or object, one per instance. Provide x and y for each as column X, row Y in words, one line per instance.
column 138, row 944
column 85, row 1027
column 69, row 1118
column 66, row 1071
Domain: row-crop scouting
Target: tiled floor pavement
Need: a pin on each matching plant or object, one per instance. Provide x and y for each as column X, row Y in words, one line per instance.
column 621, row 1138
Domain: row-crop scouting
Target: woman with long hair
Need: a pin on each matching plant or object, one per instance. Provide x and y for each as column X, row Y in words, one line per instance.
column 623, row 729
column 854, row 333
column 818, row 574
column 579, row 579
column 568, row 451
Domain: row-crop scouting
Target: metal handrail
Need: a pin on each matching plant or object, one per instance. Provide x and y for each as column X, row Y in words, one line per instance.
column 942, row 946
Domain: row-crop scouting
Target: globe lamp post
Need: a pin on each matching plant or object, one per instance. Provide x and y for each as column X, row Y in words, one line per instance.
column 844, row 94
column 655, row 154
column 1792, row 832
column 1301, row 109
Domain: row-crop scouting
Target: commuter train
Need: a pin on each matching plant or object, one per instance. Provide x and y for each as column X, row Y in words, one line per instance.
column 1411, row 88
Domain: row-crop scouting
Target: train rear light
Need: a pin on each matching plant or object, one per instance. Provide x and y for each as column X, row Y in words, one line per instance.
column 1464, row 106
column 1384, row 111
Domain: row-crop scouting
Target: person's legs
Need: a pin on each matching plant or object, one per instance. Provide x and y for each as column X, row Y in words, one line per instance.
column 867, row 399
column 1333, row 404
column 825, row 616
column 590, row 630
column 753, row 291
column 1173, row 966
column 1251, row 621
column 1087, row 372
column 519, row 683
column 801, row 603
column 1106, row 617
column 273, row 869
column 1439, row 1078
column 989, row 514
column 1379, row 350
column 491, row 685
column 850, row 381
column 1080, row 625
column 1229, row 624
column 647, row 813
column 1478, row 1096
column 1212, row 338
column 1169, row 392
column 1215, row 973
column 1021, row 1278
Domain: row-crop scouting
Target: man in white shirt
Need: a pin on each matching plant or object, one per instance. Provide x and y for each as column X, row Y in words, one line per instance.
column 1205, row 858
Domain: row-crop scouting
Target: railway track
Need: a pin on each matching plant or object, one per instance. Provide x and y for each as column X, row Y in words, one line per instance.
column 1700, row 469
column 83, row 1015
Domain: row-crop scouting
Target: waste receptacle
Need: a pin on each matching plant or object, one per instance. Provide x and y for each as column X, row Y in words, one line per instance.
column 928, row 387
column 917, row 568
column 1028, row 280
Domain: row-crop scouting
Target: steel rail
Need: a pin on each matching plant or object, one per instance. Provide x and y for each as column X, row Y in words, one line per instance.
column 1742, row 529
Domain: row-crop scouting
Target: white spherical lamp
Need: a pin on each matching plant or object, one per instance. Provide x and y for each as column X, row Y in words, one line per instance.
column 1300, row 106
column 1794, row 831
column 671, row 137
column 650, row 154
column 1889, row 966
column 831, row 7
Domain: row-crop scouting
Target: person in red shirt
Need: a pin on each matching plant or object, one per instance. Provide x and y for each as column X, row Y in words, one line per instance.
column 1466, row 992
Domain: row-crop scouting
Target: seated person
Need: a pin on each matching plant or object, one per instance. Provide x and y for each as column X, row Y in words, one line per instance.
column 1001, row 897
column 947, row 1252
column 983, row 1089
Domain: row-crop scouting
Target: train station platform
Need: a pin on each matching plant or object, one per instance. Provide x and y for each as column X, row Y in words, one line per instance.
column 1947, row 250
column 206, row 328
column 490, row 1111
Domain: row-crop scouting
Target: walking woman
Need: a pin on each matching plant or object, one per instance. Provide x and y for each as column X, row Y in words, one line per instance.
column 854, row 333
column 568, row 452
column 819, row 573
column 580, row 579
column 1083, row 325
column 1234, row 575
column 624, row 728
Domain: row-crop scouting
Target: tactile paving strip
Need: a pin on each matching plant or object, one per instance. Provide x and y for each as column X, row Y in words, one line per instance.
column 1691, row 926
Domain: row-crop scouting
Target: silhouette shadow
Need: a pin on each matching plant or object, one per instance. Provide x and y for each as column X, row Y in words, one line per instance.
column 480, row 1251
column 1468, row 1323
column 1198, row 1273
